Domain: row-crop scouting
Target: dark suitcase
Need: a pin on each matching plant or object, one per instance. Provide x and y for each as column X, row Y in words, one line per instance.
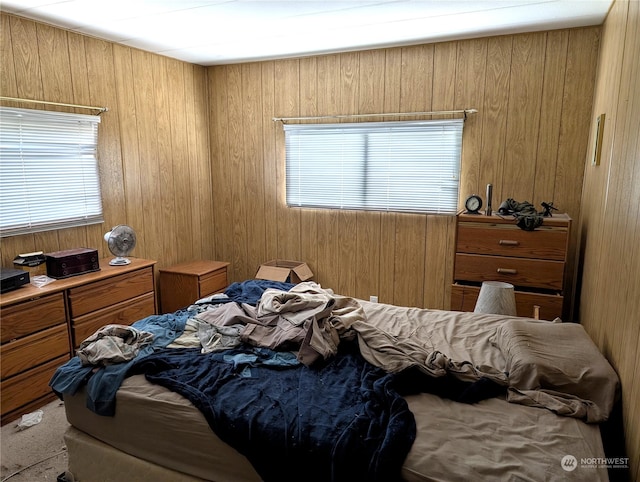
column 72, row 262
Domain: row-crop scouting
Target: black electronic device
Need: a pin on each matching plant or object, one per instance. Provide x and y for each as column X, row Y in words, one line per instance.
column 11, row 279
column 473, row 204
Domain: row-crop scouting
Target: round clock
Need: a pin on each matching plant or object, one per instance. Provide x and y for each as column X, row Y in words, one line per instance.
column 473, row 204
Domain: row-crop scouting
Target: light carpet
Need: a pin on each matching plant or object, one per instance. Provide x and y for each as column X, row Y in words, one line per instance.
column 36, row 453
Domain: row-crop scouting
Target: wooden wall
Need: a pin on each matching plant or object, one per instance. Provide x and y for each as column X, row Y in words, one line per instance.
column 188, row 200
column 529, row 140
column 609, row 255
column 190, row 196
column 153, row 142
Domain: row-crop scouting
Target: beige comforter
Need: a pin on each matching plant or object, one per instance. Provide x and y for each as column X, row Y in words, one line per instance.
column 436, row 341
column 544, row 364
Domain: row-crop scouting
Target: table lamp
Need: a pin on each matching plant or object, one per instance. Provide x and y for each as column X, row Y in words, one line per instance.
column 496, row 298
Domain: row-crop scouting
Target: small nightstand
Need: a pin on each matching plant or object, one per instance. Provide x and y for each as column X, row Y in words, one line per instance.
column 182, row 284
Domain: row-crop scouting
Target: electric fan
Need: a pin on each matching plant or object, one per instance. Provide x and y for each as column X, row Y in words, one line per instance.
column 121, row 241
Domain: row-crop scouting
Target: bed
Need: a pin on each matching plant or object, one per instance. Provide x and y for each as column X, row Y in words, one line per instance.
column 361, row 391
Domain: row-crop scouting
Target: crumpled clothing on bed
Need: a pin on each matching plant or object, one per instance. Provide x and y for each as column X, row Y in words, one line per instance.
column 103, row 382
column 113, row 344
column 217, row 338
column 306, row 318
column 294, row 306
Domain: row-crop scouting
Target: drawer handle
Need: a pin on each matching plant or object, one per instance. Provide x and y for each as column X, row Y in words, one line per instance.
column 508, row 242
column 507, row 271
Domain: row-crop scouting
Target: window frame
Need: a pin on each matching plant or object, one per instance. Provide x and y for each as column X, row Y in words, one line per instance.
column 49, row 173
column 430, row 149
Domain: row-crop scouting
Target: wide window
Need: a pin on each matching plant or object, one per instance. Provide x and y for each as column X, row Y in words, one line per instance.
column 48, row 170
column 409, row 166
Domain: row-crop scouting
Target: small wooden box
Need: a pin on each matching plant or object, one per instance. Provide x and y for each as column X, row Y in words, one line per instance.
column 72, row 262
column 182, row 284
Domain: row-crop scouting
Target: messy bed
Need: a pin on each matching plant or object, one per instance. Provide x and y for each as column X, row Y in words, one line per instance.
column 279, row 382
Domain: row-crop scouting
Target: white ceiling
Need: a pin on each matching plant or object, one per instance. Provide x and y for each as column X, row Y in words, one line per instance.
column 210, row 32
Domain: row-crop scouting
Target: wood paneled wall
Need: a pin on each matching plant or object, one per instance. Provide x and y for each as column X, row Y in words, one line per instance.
column 609, row 255
column 188, row 199
column 153, row 148
column 529, row 140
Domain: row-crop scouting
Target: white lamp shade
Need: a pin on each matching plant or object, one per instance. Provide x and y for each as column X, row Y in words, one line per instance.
column 497, row 298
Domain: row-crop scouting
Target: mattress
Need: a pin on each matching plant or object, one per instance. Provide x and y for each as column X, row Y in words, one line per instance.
column 159, row 435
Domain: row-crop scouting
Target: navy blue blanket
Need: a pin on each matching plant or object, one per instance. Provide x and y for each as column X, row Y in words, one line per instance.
column 343, row 421
column 249, row 291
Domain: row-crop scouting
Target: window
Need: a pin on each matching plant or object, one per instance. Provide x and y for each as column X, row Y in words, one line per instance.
column 48, row 171
column 411, row 166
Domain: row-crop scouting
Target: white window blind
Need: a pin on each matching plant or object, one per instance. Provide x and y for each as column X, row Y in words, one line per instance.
column 410, row 166
column 48, row 170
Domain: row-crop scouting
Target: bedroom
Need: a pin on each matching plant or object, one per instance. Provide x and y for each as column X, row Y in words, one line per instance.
column 205, row 136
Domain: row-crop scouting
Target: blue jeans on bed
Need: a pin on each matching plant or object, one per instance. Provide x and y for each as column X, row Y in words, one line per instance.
column 103, row 382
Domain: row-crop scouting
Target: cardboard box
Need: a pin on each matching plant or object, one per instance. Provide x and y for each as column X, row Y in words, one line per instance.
column 285, row 271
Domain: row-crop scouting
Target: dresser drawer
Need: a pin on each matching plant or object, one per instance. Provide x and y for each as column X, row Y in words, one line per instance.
column 29, row 386
column 124, row 313
column 213, row 283
column 101, row 294
column 509, row 240
column 534, row 273
column 463, row 298
column 33, row 350
column 32, row 316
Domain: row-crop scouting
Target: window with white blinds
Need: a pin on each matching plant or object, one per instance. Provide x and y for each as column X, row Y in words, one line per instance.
column 48, row 171
column 411, row 166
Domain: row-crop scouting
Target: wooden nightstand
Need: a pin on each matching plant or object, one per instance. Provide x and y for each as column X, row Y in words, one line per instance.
column 182, row 284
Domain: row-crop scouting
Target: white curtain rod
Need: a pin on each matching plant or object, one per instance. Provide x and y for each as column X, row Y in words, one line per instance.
column 355, row 116
column 16, row 99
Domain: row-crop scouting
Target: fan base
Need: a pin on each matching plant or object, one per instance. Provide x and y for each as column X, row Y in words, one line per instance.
column 119, row 261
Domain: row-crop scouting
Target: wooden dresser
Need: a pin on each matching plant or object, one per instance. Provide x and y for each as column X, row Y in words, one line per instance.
column 182, row 284
column 42, row 327
column 493, row 248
